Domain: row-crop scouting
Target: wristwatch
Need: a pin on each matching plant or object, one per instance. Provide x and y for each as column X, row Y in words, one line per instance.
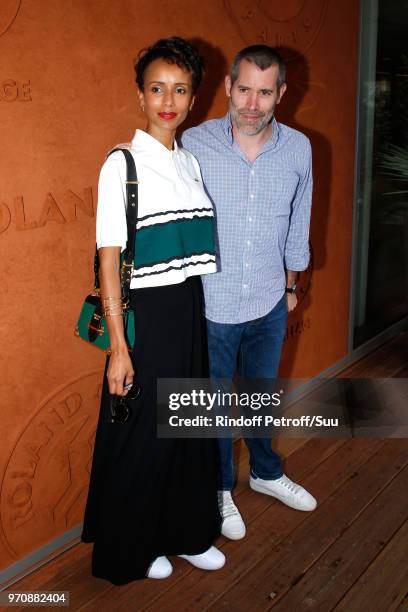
column 291, row 290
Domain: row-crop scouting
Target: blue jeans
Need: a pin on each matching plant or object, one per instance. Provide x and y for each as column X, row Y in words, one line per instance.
column 254, row 348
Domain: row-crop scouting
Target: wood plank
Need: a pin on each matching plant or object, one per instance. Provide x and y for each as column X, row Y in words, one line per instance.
column 59, row 569
column 53, row 571
column 386, row 580
column 390, row 359
column 266, row 533
column 381, row 363
column 147, row 592
column 284, row 446
column 77, row 561
column 282, row 567
column 402, row 606
column 287, row 446
column 302, row 463
column 315, row 447
column 69, row 581
column 109, row 596
column 331, row 575
column 402, row 372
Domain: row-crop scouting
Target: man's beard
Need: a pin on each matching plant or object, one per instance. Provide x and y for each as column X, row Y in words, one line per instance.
column 250, row 128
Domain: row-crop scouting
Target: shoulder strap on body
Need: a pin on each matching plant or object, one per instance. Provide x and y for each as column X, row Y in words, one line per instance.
column 128, row 255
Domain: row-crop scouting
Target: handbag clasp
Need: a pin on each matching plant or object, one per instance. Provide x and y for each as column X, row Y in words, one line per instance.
column 99, row 330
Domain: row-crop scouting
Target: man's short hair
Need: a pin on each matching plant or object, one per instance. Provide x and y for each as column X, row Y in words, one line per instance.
column 262, row 56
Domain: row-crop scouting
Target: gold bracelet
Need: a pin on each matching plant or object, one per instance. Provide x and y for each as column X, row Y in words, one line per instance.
column 113, row 309
column 113, row 314
column 116, row 310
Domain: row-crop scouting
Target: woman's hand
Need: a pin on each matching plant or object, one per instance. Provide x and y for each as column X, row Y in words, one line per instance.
column 120, row 372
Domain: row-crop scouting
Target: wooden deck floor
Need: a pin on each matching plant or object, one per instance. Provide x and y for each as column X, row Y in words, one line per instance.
column 349, row 555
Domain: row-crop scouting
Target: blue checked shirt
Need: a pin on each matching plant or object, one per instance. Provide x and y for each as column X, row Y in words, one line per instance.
column 262, row 213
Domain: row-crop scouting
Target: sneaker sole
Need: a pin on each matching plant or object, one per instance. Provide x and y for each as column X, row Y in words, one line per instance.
column 260, row 489
column 239, row 536
column 203, row 566
column 161, row 577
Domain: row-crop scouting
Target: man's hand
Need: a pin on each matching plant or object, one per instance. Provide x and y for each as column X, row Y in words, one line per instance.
column 291, row 301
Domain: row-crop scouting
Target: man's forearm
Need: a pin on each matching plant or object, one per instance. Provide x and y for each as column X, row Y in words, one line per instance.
column 290, row 278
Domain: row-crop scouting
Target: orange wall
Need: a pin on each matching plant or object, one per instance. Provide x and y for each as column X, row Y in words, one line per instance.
column 66, row 96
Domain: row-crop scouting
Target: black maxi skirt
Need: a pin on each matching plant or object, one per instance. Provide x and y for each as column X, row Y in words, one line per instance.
column 150, row 497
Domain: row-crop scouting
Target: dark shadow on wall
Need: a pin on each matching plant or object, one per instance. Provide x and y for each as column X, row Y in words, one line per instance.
column 216, row 67
column 299, row 83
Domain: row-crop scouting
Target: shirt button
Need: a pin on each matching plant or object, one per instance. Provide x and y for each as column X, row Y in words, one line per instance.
column 248, row 242
column 252, row 172
column 249, row 219
column 247, row 265
column 252, row 195
column 244, row 286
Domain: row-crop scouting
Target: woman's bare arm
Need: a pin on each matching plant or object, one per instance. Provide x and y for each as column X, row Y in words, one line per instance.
column 120, row 369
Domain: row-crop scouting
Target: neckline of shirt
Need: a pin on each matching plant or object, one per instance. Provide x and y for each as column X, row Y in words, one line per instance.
column 146, row 141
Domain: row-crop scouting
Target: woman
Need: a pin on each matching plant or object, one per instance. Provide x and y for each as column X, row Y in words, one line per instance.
column 150, row 498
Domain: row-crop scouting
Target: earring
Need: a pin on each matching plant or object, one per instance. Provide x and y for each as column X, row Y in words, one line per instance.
column 142, row 108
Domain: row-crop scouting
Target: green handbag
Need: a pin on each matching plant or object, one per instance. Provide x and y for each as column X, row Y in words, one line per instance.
column 91, row 325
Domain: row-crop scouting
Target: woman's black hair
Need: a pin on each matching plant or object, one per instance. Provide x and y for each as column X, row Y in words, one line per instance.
column 174, row 50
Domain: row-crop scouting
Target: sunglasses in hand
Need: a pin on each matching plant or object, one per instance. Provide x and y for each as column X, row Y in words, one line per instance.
column 119, row 407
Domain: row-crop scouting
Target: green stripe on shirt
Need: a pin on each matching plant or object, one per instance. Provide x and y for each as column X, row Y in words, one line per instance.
column 160, row 243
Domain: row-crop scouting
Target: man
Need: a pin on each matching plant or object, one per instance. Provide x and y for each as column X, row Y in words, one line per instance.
column 258, row 174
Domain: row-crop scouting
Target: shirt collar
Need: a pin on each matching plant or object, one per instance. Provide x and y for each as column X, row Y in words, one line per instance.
column 226, row 125
column 143, row 140
column 227, row 128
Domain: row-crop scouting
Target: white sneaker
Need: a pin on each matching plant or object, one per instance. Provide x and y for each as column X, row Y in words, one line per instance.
column 286, row 491
column 160, row 568
column 233, row 527
column 211, row 559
